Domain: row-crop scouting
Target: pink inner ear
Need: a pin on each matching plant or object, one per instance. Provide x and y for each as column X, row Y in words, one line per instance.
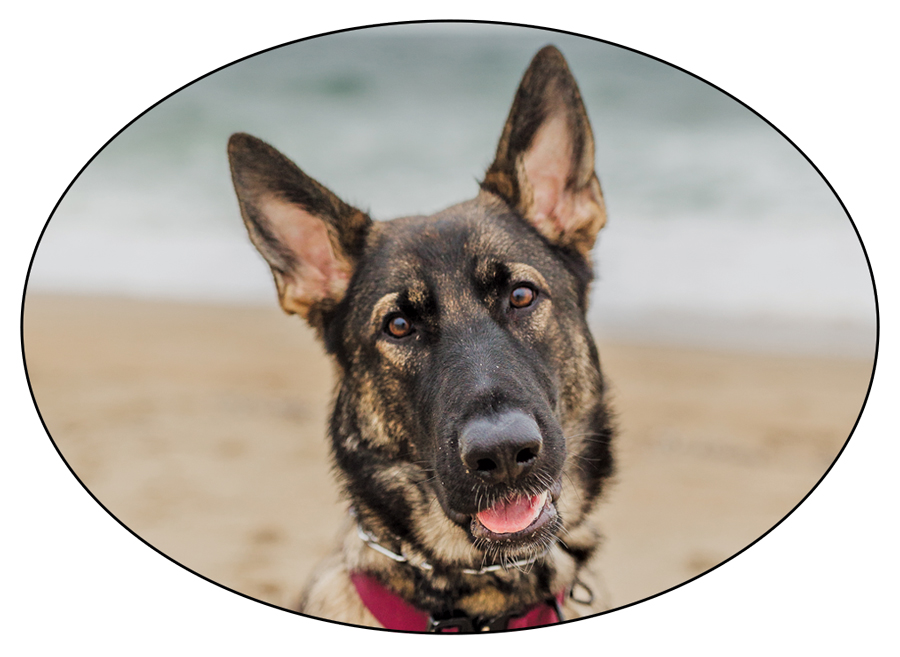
column 319, row 273
column 547, row 164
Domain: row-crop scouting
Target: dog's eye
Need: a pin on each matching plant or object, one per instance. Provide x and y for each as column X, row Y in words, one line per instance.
column 522, row 296
column 398, row 326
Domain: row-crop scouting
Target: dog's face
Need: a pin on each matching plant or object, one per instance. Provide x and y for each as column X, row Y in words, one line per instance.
column 469, row 421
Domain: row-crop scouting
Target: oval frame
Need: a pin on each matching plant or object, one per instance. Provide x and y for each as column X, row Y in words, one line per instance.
column 476, row 22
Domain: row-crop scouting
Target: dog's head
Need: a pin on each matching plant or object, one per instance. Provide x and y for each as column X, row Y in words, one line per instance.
column 469, row 419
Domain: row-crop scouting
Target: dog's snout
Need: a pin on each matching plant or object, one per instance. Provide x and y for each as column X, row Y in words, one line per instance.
column 500, row 448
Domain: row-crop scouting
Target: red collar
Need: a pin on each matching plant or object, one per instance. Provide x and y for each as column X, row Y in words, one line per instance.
column 395, row 613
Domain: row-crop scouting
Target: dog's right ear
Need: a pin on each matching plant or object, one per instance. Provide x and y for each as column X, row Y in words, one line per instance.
column 311, row 239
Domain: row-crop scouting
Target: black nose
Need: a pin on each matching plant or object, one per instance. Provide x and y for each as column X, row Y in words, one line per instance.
column 500, row 448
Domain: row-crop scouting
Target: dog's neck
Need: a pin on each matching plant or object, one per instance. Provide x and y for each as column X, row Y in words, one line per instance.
column 485, row 591
column 395, row 613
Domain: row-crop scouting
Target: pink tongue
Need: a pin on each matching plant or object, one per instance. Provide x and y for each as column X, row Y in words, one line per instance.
column 513, row 515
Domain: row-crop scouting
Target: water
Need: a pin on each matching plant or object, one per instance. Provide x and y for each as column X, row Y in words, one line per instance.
column 720, row 232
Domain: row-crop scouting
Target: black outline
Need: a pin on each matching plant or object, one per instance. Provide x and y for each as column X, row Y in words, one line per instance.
column 444, row 22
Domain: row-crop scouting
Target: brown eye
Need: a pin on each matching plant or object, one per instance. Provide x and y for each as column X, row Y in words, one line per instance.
column 521, row 297
column 398, row 326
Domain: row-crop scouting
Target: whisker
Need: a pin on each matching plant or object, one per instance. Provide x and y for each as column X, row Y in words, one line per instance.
column 591, row 435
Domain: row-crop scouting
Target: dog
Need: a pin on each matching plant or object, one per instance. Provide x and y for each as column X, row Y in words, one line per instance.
column 470, row 430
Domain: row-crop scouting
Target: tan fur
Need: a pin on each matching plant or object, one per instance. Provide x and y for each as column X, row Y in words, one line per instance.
column 331, row 594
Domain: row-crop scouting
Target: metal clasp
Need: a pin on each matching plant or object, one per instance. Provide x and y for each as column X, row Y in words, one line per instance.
column 458, row 622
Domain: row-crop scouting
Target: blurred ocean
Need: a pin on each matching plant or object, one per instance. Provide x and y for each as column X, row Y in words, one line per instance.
column 720, row 232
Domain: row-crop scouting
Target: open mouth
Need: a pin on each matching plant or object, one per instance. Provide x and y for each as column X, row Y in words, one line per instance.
column 516, row 518
column 513, row 515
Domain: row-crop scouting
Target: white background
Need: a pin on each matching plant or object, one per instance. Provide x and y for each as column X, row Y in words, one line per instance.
column 74, row 580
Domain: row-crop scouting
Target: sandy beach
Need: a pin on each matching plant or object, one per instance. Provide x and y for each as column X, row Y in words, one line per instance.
column 201, row 428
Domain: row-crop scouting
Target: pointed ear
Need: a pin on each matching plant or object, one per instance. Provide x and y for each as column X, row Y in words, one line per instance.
column 311, row 239
column 544, row 167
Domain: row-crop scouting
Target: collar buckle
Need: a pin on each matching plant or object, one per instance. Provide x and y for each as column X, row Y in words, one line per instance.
column 463, row 623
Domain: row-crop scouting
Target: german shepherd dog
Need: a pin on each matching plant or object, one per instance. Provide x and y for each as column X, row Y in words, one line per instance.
column 469, row 429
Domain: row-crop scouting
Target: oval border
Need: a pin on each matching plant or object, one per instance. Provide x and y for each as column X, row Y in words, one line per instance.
column 445, row 22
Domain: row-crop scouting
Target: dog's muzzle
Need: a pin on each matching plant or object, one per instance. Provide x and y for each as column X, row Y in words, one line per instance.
column 504, row 479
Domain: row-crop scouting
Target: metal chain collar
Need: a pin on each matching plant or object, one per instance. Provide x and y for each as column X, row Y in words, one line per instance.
column 373, row 543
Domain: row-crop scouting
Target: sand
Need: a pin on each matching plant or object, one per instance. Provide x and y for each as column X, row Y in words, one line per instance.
column 201, row 428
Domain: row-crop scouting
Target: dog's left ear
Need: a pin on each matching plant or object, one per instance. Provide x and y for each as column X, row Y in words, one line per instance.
column 544, row 167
